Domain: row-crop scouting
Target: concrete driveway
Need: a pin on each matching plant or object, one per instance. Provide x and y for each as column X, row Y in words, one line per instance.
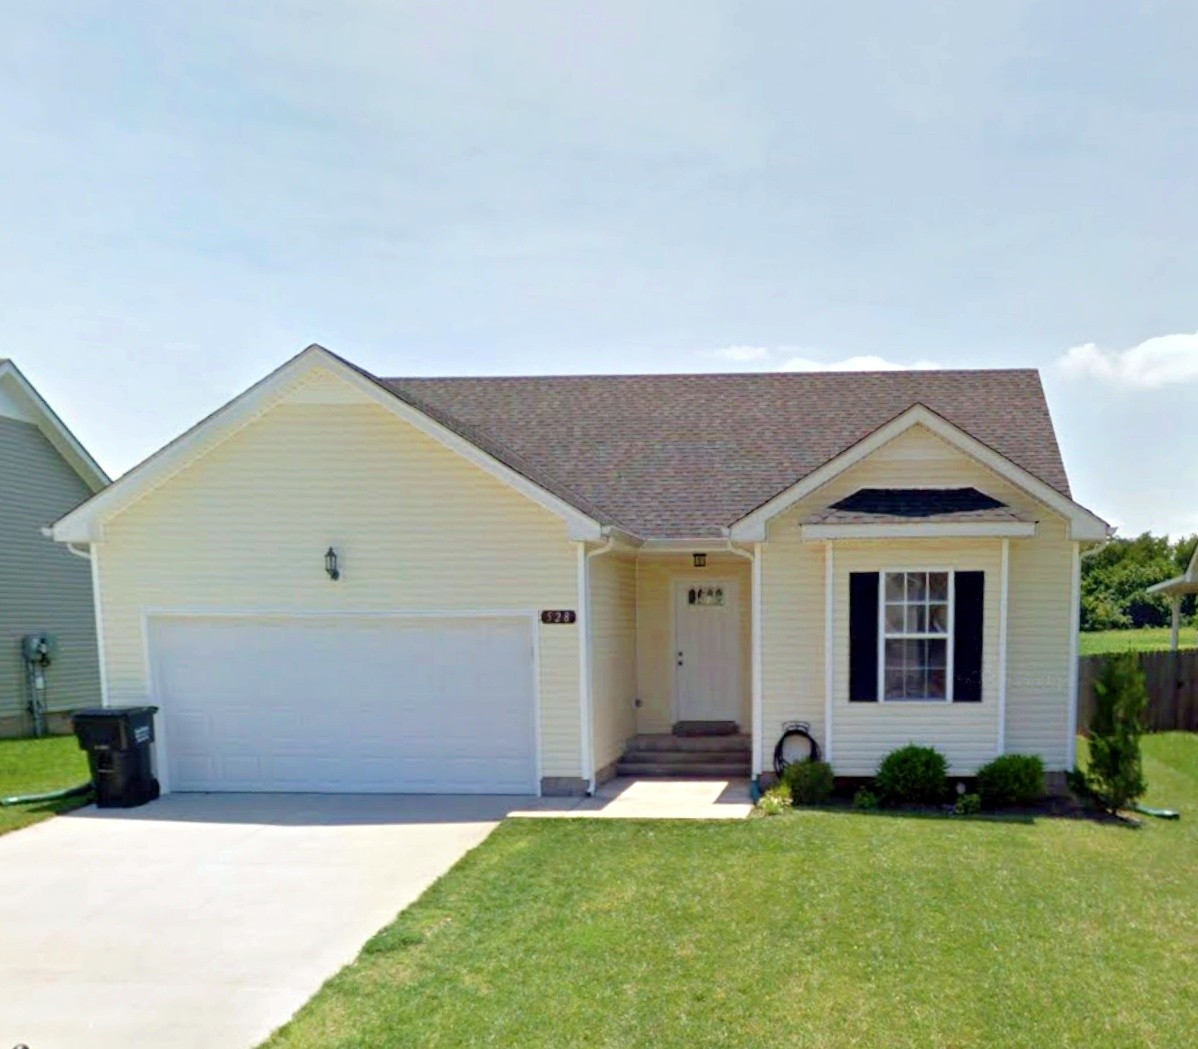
column 207, row 920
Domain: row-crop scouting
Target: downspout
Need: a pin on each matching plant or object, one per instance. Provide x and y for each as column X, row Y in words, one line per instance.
column 85, row 553
column 587, row 734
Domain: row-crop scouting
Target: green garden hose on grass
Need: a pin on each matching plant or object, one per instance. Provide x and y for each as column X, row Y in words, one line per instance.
column 1160, row 814
column 52, row 795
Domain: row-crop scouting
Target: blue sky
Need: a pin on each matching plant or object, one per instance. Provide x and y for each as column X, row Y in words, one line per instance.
column 194, row 192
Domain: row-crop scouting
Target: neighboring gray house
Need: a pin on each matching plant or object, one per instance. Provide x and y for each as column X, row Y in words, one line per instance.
column 45, row 589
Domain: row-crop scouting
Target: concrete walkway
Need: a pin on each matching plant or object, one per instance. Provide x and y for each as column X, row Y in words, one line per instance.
column 655, row 799
column 206, row 920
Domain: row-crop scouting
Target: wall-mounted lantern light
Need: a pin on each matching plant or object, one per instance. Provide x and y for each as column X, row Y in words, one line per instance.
column 330, row 564
column 699, row 560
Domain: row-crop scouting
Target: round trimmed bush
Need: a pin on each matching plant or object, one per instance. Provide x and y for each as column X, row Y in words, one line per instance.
column 865, row 800
column 1013, row 779
column 810, row 782
column 913, row 775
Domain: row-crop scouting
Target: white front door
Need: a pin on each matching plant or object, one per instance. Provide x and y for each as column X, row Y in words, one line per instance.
column 707, row 650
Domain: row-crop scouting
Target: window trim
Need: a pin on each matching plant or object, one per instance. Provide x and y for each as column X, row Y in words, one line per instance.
column 949, row 636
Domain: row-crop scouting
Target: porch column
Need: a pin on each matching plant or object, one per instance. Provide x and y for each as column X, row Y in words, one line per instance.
column 1003, row 634
column 757, row 722
column 829, row 644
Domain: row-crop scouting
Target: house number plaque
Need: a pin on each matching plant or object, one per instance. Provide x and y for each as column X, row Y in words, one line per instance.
column 559, row 615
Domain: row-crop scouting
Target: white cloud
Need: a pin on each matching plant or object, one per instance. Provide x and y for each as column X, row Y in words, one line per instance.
column 869, row 363
column 1157, row 362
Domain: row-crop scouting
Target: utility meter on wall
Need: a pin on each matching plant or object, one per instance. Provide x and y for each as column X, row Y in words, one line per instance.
column 39, row 649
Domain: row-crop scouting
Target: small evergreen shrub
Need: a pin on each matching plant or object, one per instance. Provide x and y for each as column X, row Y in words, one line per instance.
column 775, row 801
column 968, row 805
column 1075, row 780
column 810, row 782
column 1013, row 779
column 865, row 800
column 1115, row 774
column 913, row 775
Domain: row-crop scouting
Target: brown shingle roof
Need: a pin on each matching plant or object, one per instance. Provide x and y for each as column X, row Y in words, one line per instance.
column 684, row 456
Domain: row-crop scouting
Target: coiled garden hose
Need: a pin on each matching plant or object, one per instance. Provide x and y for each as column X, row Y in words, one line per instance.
column 794, row 730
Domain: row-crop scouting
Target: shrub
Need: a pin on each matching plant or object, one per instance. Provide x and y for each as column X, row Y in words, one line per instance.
column 913, row 774
column 1115, row 774
column 865, row 800
column 810, row 782
column 775, row 801
column 1013, row 779
column 968, row 805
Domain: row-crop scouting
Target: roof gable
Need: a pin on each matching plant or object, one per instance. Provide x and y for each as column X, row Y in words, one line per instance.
column 1083, row 524
column 20, row 400
column 85, row 522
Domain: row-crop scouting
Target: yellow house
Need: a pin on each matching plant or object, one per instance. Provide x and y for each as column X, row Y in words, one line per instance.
column 339, row 582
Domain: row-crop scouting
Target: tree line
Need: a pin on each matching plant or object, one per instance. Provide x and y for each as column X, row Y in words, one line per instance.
column 1115, row 580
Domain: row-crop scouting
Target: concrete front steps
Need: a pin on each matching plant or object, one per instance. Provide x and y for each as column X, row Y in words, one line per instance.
column 690, row 756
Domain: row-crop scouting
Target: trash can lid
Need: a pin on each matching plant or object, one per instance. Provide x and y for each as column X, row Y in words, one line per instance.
column 113, row 712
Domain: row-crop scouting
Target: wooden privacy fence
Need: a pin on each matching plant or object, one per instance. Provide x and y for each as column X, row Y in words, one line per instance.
column 1172, row 679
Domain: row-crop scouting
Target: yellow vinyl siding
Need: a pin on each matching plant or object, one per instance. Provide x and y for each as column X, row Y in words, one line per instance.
column 1039, row 649
column 613, row 654
column 657, row 575
column 966, row 733
column 792, row 636
column 245, row 527
column 916, row 458
column 793, row 629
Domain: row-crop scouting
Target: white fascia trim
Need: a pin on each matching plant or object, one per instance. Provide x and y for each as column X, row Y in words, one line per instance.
column 55, row 430
column 915, row 530
column 1084, row 525
column 685, row 546
column 622, row 537
column 84, row 523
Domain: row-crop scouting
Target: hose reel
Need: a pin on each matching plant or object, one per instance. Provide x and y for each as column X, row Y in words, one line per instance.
column 796, row 744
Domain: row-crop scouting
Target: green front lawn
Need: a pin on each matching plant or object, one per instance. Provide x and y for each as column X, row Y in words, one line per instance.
column 809, row 929
column 1148, row 639
column 34, row 766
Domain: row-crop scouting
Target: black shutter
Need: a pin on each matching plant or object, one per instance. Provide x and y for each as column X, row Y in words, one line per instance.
column 970, row 599
column 863, row 637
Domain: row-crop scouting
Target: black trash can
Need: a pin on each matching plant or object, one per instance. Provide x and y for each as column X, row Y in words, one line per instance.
column 117, row 741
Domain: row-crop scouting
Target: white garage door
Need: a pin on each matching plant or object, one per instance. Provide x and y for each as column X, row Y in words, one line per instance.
column 346, row 704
